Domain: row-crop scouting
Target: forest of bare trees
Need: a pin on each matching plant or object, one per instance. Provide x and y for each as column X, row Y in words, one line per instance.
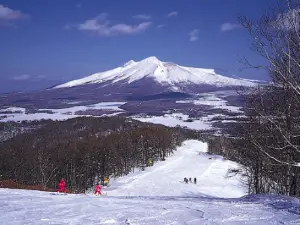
column 268, row 143
column 85, row 150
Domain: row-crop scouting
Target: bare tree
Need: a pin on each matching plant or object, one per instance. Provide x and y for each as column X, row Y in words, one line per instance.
column 276, row 37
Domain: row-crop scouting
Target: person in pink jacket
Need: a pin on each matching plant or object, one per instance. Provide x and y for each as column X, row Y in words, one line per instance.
column 62, row 186
column 98, row 190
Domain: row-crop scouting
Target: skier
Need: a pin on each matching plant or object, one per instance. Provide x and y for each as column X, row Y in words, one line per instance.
column 62, row 186
column 105, row 181
column 98, row 190
column 185, row 180
column 195, row 180
column 190, row 180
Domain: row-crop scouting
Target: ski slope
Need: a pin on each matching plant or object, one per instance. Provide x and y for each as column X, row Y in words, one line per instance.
column 156, row 196
column 166, row 178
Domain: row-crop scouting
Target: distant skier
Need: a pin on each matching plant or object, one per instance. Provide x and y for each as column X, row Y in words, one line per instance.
column 62, row 186
column 186, row 180
column 195, row 180
column 98, row 190
column 105, row 181
column 190, row 180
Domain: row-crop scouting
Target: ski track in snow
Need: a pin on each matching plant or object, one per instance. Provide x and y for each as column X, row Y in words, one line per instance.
column 156, row 196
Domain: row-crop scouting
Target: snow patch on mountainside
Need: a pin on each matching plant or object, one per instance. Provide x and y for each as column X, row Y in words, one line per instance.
column 164, row 73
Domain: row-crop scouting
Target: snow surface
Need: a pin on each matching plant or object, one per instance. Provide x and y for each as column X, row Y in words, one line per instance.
column 164, row 73
column 178, row 119
column 212, row 100
column 146, row 198
column 13, row 109
column 189, row 160
column 61, row 114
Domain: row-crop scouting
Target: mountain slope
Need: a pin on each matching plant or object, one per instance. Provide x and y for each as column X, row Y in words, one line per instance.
column 164, row 73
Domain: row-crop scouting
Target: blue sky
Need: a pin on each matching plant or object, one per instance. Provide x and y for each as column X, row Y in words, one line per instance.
column 47, row 42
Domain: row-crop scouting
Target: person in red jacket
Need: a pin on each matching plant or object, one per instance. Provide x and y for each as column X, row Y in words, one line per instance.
column 62, row 186
column 98, row 190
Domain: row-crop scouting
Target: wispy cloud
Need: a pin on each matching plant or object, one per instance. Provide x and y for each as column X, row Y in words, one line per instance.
column 142, row 17
column 78, row 5
column 161, row 26
column 172, row 14
column 22, row 77
column 27, row 77
column 101, row 26
column 9, row 16
column 229, row 26
column 194, row 35
column 40, row 77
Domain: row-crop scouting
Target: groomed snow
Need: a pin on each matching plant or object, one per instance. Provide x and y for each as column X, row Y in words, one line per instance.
column 189, row 160
column 162, row 72
column 145, row 198
column 112, row 109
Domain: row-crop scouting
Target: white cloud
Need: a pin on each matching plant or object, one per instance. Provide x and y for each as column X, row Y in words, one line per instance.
column 27, row 77
column 9, row 14
column 78, row 5
column 101, row 26
column 161, row 26
column 229, row 26
column 172, row 14
column 40, row 77
column 194, row 35
column 142, row 17
column 22, row 77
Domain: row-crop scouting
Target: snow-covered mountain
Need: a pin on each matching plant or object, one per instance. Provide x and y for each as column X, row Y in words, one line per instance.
column 170, row 75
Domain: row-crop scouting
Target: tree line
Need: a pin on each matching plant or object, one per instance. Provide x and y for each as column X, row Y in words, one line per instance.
column 85, row 150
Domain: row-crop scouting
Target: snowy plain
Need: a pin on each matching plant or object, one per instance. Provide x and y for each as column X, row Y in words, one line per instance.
column 177, row 119
column 212, row 100
column 113, row 108
column 157, row 196
column 203, row 123
column 19, row 114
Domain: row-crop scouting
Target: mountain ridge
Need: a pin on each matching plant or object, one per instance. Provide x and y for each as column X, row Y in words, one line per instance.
column 166, row 74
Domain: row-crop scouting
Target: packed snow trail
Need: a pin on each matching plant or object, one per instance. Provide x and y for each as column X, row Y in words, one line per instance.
column 157, row 196
column 35, row 207
column 166, row 178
